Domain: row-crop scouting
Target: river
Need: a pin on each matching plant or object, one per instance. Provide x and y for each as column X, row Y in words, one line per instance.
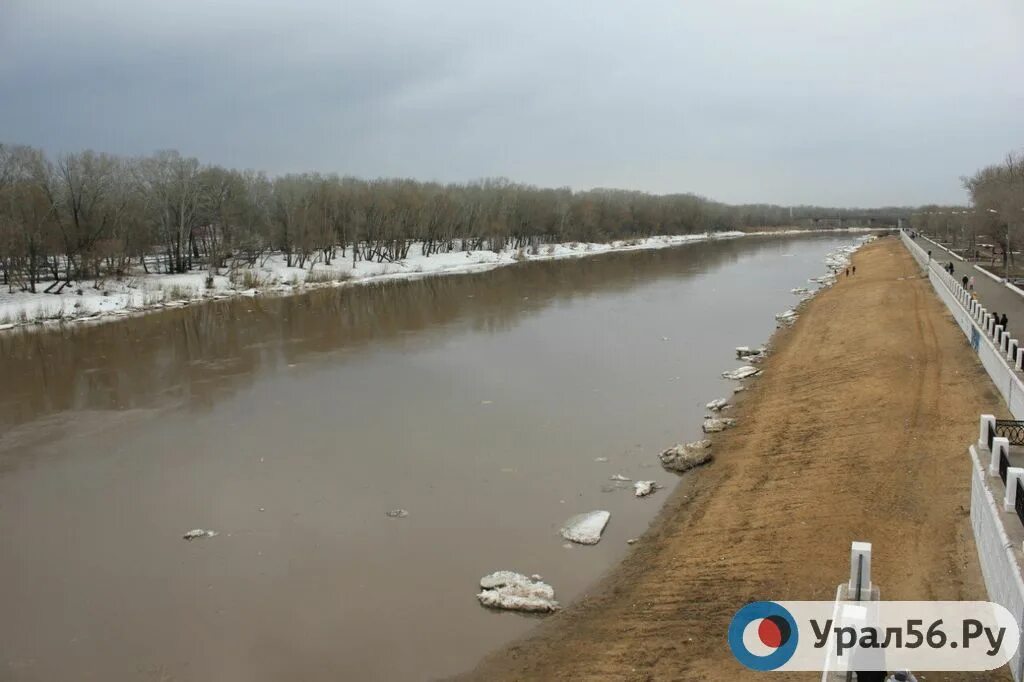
column 483, row 404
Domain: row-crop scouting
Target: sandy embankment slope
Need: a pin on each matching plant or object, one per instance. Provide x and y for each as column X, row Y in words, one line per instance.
column 857, row 431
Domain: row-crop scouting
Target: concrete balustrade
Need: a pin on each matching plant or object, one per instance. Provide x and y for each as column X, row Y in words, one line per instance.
column 994, row 352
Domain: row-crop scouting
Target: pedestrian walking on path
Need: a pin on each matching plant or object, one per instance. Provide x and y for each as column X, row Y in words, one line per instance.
column 964, row 280
column 855, row 269
column 1003, row 322
column 970, row 284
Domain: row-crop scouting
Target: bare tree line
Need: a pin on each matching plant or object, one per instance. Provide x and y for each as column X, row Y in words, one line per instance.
column 90, row 216
column 994, row 218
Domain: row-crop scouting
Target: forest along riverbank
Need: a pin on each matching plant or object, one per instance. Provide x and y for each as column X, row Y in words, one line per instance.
column 145, row 291
column 491, row 407
column 856, row 430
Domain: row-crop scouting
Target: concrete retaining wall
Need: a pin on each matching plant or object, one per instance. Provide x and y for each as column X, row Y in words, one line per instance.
column 959, row 303
column 998, row 565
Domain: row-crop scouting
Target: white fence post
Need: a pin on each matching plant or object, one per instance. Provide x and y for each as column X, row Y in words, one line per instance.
column 1010, row 496
column 863, row 568
column 999, row 445
column 985, row 421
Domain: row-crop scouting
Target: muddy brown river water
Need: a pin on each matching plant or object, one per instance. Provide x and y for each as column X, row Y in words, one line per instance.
column 481, row 404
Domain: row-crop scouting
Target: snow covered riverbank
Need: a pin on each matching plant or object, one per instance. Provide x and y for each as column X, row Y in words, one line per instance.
column 95, row 301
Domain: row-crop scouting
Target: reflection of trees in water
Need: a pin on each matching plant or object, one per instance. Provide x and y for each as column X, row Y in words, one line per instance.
column 196, row 353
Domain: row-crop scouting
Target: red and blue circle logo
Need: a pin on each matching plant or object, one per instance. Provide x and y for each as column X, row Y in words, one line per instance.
column 763, row 635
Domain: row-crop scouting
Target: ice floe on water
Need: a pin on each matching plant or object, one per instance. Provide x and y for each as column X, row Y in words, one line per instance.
column 619, row 477
column 747, row 351
column 397, row 513
column 517, row 592
column 716, row 424
column 717, row 405
column 787, row 318
column 682, row 457
column 741, row 372
column 644, row 488
column 197, row 533
column 586, row 528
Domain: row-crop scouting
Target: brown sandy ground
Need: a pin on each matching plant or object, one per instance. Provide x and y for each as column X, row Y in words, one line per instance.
column 857, row 430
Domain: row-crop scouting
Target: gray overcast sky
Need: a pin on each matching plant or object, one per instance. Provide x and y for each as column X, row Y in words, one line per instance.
column 837, row 102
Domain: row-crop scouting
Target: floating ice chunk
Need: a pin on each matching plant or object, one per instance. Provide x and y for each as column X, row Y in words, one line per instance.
column 601, row 459
column 644, row 488
column 516, row 592
column 397, row 513
column 741, row 372
column 586, row 529
column 685, row 457
column 739, row 389
column 746, row 351
column 714, row 425
column 717, row 405
column 197, row 533
column 800, row 291
column 619, row 477
column 785, row 315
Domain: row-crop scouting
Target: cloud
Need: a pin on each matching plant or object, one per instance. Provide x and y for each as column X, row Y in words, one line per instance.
column 862, row 103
